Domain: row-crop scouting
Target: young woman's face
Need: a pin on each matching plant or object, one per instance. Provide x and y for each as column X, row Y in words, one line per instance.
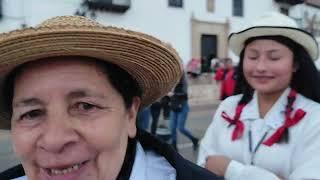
column 69, row 122
column 268, row 66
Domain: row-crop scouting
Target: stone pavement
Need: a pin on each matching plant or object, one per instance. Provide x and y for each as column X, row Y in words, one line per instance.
column 203, row 91
column 198, row 121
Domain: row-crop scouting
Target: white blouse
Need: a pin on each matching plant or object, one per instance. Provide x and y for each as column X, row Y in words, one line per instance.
column 149, row 165
column 297, row 159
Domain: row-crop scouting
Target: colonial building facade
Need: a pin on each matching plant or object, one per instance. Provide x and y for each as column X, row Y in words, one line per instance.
column 195, row 28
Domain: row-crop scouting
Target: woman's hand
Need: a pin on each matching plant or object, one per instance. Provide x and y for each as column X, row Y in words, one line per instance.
column 217, row 164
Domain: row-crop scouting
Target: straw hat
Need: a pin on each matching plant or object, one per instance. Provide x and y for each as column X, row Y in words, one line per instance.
column 274, row 24
column 153, row 64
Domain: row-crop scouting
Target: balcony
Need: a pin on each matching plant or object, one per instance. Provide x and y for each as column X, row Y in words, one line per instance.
column 290, row 2
column 119, row 6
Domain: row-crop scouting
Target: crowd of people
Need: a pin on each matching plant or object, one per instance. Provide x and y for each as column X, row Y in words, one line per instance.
column 79, row 108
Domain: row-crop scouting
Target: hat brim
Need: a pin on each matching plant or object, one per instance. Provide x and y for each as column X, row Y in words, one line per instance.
column 306, row 40
column 154, row 65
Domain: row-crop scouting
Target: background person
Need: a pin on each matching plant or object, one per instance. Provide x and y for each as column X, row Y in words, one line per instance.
column 194, row 67
column 155, row 108
column 228, row 79
column 272, row 129
column 179, row 113
column 144, row 118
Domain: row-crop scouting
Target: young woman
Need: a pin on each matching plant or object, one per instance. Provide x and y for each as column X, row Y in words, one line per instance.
column 271, row 129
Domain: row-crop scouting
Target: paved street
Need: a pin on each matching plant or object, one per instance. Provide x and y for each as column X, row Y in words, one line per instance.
column 198, row 121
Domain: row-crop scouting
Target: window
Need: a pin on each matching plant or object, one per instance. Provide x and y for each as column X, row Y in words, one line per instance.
column 209, row 47
column 210, row 5
column 238, row 7
column 176, row 3
column 284, row 11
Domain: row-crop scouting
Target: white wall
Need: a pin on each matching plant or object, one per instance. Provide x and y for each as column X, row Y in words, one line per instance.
column 154, row 17
column 298, row 10
column 223, row 13
column 303, row 14
column 198, row 9
column 253, row 9
column 32, row 12
column 171, row 25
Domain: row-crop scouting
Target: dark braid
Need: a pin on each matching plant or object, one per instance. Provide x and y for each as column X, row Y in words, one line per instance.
column 285, row 136
column 242, row 86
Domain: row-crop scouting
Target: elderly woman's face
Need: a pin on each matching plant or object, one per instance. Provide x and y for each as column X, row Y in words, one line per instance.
column 69, row 122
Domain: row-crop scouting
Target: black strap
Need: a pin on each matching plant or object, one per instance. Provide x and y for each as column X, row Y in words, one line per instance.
column 128, row 162
column 12, row 173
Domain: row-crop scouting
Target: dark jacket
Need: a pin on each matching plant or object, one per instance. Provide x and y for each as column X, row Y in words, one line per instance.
column 181, row 88
column 185, row 169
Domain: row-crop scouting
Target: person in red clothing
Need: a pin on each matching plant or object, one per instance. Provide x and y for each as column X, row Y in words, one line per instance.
column 228, row 84
column 219, row 73
column 226, row 75
column 194, row 67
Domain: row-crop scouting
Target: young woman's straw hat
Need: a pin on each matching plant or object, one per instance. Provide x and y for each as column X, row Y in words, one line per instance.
column 154, row 65
column 274, row 24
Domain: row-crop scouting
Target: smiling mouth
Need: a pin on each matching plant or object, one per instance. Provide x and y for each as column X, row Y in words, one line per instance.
column 262, row 77
column 66, row 170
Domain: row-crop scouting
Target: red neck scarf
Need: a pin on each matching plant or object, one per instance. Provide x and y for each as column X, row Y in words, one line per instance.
column 238, row 130
column 289, row 120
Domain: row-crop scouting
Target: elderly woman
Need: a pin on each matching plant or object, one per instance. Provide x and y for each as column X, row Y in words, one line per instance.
column 271, row 130
column 71, row 89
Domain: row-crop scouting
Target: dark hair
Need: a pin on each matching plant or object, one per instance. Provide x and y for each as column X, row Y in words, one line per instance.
column 303, row 80
column 120, row 79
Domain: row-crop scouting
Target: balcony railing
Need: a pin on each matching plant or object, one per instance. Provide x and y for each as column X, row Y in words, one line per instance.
column 120, row 6
column 290, row 2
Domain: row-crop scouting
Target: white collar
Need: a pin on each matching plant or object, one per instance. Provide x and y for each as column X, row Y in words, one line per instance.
column 139, row 166
column 274, row 118
column 21, row 178
column 149, row 165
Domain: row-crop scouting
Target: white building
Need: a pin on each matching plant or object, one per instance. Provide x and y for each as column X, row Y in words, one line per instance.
column 308, row 16
column 195, row 28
